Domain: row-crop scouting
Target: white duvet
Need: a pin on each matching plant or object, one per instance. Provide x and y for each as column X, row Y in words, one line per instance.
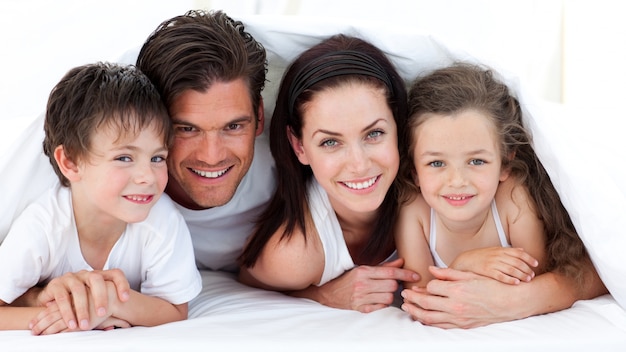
column 581, row 149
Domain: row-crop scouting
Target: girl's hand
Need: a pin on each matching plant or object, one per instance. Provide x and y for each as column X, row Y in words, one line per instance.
column 507, row 265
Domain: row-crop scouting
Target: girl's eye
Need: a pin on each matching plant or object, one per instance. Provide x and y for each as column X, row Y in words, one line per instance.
column 329, row 143
column 157, row 159
column 477, row 162
column 436, row 163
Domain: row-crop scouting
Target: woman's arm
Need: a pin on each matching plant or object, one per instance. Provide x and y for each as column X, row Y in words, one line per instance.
column 287, row 264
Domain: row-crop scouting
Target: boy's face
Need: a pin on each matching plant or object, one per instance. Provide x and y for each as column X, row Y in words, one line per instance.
column 122, row 176
column 213, row 145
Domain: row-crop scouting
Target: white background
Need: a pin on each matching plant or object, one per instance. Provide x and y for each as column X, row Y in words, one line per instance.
column 566, row 51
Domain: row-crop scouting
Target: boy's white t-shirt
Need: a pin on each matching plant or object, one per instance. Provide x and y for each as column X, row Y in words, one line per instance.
column 155, row 255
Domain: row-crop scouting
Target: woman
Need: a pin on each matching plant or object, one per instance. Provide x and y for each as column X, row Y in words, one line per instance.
column 334, row 137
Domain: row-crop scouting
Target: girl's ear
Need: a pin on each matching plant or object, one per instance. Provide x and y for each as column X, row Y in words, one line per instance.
column 415, row 178
column 506, row 171
column 296, row 145
column 68, row 168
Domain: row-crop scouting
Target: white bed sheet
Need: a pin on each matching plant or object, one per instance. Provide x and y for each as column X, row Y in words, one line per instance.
column 581, row 150
column 230, row 316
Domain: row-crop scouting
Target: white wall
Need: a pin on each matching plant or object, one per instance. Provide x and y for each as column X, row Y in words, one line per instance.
column 564, row 50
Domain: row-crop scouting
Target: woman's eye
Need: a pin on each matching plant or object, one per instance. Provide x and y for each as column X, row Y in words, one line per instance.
column 329, row 143
column 375, row 134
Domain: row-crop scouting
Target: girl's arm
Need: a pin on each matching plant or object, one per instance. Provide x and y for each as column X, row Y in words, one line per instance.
column 411, row 241
column 525, row 228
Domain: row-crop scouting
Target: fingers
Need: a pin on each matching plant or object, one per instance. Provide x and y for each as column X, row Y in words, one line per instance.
column 50, row 321
column 392, row 272
column 121, row 283
column 449, row 274
column 70, row 295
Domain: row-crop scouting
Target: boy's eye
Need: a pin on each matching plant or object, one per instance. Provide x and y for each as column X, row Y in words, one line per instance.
column 124, row 158
column 157, row 159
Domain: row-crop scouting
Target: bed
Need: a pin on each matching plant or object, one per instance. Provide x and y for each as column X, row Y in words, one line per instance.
column 585, row 161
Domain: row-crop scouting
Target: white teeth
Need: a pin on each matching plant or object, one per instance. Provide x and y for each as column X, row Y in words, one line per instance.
column 457, row 198
column 361, row 185
column 210, row 174
column 138, row 199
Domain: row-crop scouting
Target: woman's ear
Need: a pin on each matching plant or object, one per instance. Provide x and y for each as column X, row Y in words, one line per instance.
column 296, row 145
column 68, row 168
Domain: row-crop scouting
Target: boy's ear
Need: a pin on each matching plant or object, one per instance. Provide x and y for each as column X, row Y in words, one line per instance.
column 68, row 168
column 296, row 145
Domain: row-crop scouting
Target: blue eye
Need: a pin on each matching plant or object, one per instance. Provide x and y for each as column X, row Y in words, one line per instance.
column 436, row 163
column 329, row 143
column 157, row 159
column 124, row 158
column 375, row 134
column 477, row 162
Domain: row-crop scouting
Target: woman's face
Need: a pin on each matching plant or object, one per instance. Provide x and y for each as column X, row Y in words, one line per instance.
column 349, row 138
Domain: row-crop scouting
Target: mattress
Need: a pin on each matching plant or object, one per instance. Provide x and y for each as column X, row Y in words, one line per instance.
column 580, row 148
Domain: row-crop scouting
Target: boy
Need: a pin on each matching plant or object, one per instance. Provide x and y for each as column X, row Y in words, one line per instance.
column 107, row 138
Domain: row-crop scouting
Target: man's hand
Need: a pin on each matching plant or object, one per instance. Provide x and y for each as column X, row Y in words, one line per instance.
column 72, row 292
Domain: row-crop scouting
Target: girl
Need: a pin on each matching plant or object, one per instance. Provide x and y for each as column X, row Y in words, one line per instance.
column 475, row 196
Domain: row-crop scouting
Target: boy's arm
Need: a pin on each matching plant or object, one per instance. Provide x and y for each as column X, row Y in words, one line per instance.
column 16, row 317
column 143, row 310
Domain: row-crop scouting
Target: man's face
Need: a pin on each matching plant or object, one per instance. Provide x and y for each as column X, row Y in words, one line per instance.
column 213, row 145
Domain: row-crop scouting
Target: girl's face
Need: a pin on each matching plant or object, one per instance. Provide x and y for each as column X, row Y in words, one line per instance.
column 121, row 178
column 349, row 138
column 458, row 163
